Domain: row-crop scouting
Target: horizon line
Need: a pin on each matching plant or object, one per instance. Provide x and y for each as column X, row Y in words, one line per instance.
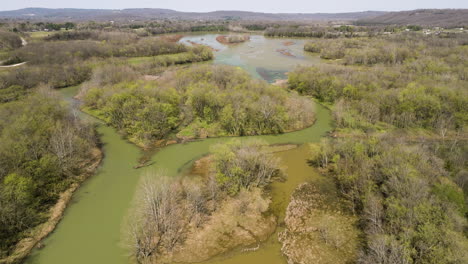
column 229, row 10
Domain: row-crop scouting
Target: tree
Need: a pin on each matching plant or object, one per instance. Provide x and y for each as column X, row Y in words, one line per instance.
column 243, row 166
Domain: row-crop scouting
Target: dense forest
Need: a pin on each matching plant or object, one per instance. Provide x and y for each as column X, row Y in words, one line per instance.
column 399, row 104
column 44, row 148
column 390, row 83
column 410, row 208
column 198, row 102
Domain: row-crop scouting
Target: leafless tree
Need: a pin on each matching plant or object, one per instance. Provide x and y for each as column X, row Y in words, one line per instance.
column 155, row 223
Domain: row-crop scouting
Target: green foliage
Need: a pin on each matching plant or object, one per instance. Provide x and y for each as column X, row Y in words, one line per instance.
column 11, row 93
column 304, row 31
column 311, row 81
column 414, row 27
column 67, row 63
column 255, row 27
column 243, row 165
column 312, row 47
column 408, row 82
column 364, row 51
column 450, row 192
column 209, row 28
column 43, row 148
column 58, row 52
column 18, row 81
column 407, row 215
column 195, row 54
column 9, row 40
column 204, row 101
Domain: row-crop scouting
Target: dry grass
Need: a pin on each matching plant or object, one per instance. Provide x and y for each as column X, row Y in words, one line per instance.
column 317, row 231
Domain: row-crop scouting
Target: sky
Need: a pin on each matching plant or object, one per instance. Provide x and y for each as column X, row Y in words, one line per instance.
column 273, row 6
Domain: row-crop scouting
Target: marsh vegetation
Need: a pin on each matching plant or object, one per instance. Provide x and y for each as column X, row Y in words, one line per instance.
column 193, row 218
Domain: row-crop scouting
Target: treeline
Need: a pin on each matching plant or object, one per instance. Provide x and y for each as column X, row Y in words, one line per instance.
column 410, row 209
column 40, row 26
column 284, row 29
column 67, row 63
column 9, row 40
column 194, row 103
column 114, row 36
column 18, row 82
column 170, row 26
column 58, row 52
column 195, row 54
column 171, row 214
column 413, row 83
column 394, row 49
column 44, row 148
column 363, row 51
column 306, row 31
column 400, row 158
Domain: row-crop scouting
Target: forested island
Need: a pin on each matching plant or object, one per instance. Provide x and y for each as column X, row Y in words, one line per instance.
column 234, row 140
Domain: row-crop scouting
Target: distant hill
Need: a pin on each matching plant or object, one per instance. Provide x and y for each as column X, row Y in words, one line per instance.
column 423, row 17
column 71, row 14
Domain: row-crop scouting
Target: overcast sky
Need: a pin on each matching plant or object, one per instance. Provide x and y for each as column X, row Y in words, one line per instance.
column 275, row 6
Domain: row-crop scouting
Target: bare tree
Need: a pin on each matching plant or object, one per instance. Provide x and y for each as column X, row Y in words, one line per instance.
column 155, row 223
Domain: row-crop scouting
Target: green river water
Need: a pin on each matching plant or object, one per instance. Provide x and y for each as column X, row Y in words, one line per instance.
column 90, row 231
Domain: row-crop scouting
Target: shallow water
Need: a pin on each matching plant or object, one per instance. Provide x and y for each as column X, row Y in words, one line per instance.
column 295, row 163
column 90, row 231
column 260, row 56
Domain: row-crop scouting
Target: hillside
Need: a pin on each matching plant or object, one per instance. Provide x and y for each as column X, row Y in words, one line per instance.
column 423, row 17
column 71, row 14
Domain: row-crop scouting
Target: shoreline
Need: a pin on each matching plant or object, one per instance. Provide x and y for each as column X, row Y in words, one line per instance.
column 25, row 246
column 170, row 141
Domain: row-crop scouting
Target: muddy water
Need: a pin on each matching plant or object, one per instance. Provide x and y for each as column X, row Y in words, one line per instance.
column 298, row 171
column 263, row 57
column 90, row 231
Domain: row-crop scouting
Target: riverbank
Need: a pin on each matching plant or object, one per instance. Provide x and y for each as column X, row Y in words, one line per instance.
column 210, row 214
column 56, row 212
column 94, row 220
column 252, row 108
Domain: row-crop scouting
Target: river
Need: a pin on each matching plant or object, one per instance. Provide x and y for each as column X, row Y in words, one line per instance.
column 90, row 231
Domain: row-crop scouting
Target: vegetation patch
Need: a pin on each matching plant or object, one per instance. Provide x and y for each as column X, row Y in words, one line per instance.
column 232, row 39
column 52, row 150
column 198, row 102
column 318, row 230
column 285, row 52
column 194, row 218
column 397, row 161
column 418, row 84
column 407, row 209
